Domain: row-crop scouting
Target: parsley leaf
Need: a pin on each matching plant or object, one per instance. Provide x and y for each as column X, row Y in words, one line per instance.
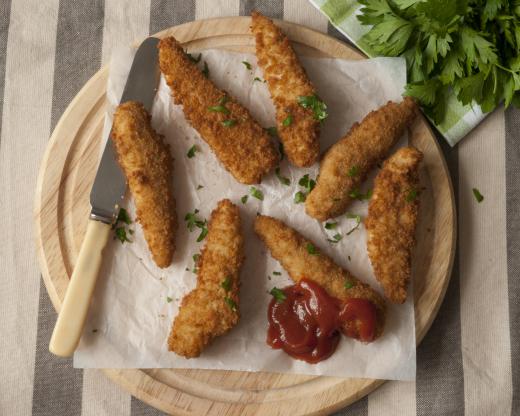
column 218, row 109
column 258, row 79
column 353, row 171
column 244, row 199
column 358, row 222
column 318, row 107
column 278, row 294
column 229, row 123
column 288, row 121
column 356, row 194
column 168, row 299
column 247, row 64
column 331, row 225
column 256, row 193
column 348, row 284
column 123, row 216
column 277, row 273
column 478, row 196
column 311, row 249
column 411, row 195
column 192, row 151
column 121, row 235
column 226, row 283
column 336, row 238
column 231, row 303
column 285, row 181
column 299, row 197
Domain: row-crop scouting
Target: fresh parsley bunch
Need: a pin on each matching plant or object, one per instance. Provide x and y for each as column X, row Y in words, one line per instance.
column 468, row 47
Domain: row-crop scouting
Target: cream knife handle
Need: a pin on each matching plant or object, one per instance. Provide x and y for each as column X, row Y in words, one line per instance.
column 71, row 319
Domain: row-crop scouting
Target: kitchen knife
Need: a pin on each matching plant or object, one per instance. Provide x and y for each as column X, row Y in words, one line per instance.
column 106, row 194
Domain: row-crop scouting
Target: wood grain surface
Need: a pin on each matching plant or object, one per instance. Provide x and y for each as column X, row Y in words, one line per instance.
column 62, row 208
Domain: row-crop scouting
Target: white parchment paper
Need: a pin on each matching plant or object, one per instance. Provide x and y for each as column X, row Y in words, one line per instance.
column 131, row 314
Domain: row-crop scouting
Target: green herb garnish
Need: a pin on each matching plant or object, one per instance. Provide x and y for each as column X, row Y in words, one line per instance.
column 203, row 234
column 168, row 299
column 192, row 220
column 205, row 71
column 331, row 225
column 123, row 216
column 258, row 79
column 277, row 273
column 256, row 193
column 478, row 196
column 231, row 303
column 121, row 235
column 247, row 64
column 244, row 199
column 313, row 102
column 192, row 151
column 348, row 284
column 353, row 171
column 358, row 222
column 336, row 238
column 272, row 131
column 229, row 123
column 199, row 187
column 411, row 195
column 287, row 121
column 311, row 249
column 278, row 294
column 299, row 197
column 223, row 100
column 285, row 181
column 307, row 183
column 218, row 109
column 226, row 283
column 356, row 194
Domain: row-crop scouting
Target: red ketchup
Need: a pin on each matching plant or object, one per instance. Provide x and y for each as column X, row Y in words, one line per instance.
column 307, row 323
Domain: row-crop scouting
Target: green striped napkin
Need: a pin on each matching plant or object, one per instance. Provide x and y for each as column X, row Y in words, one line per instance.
column 459, row 120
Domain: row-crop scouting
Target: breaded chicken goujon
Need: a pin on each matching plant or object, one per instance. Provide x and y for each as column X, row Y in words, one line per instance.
column 302, row 259
column 391, row 221
column 239, row 142
column 347, row 163
column 298, row 126
column 148, row 166
column 212, row 308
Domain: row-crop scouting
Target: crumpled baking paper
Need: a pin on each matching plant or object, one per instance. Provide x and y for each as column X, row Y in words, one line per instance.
column 135, row 302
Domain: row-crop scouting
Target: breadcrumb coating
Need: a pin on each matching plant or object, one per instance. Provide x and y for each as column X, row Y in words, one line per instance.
column 291, row 249
column 148, row 166
column 287, row 81
column 244, row 148
column 347, row 163
column 212, row 308
column 391, row 221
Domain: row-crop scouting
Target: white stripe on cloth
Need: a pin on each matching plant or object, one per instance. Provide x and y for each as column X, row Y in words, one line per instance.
column 483, row 270
column 394, row 398
column 205, row 9
column 126, row 22
column 103, row 397
column 25, row 131
column 304, row 13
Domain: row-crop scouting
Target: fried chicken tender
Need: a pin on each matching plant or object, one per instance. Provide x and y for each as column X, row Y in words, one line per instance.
column 212, row 308
column 287, row 81
column 291, row 249
column 243, row 147
column 391, row 221
column 148, row 165
column 347, row 163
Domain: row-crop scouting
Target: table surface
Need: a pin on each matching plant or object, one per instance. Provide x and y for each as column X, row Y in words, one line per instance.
column 468, row 363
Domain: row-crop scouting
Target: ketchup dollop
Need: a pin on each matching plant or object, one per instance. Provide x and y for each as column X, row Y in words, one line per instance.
column 307, row 323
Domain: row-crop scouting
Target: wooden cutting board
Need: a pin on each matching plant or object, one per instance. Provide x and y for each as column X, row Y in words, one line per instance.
column 62, row 208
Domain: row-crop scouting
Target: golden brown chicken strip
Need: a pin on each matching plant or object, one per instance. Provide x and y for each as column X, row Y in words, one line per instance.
column 391, row 221
column 347, row 163
column 148, row 166
column 298, row 127
column 239, row 142
column 302, row 259
column 212, row 308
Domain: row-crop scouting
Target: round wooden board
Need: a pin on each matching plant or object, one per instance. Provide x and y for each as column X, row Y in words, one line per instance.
column 62, row 208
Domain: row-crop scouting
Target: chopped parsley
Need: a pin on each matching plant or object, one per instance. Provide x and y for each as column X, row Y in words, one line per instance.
column 288, row 121
column 278, row 294
column 256, row 193
column 358, row 222
column 231, row 303
column 193, row 221
column 191, row 153
column 196, row 258
column 223, row 100
column 199, row 187
column 244, row 199
column 307, row 183
column 218, row 109
column 285, row 181
column 331, row 225
column 353, row 171
column 229, row 123
column 478, row 196
column 194, row 59
column 311, row 249
column 318, row 107
column 299, row 197
column 205, row 71
column 411, row 195
column 356, row 194
column 121, row 235
column 120, row 232
column 168, row 299
column 123, row 216
column 247, row 64
column 258, row 79
column 336, row 238
column 349, row 284
column 226, row 283
column 277, row 273
column 203, row 234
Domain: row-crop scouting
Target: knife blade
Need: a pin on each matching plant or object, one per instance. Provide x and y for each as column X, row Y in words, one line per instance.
column 110, row 183
column 106, row 194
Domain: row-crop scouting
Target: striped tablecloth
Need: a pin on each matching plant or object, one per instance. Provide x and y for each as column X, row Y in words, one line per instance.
column 468, row 364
